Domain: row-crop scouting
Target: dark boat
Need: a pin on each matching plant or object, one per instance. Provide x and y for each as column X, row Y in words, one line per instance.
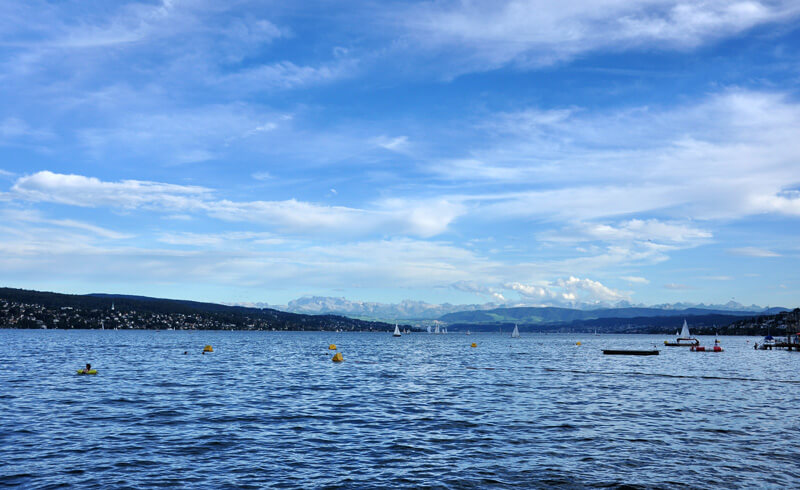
column 629, row 352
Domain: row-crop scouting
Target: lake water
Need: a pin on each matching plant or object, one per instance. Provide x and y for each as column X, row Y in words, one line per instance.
column 271, row 409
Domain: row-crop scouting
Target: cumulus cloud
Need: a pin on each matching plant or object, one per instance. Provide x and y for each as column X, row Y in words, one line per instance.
column 572, row 291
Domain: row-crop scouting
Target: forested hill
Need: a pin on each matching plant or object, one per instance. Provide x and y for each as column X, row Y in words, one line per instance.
column 786, row 322
column 21, row 308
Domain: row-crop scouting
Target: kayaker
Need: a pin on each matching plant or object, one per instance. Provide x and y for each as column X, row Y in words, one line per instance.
column 88, row 368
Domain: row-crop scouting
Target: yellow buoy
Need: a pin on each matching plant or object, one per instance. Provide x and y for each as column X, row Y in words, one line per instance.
column 474, row 345
column 208, row 348
column 338, row 357
column 332, row 347
column 577, row 343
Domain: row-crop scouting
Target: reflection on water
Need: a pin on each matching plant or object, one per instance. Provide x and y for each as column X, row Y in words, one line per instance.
column 271, row 409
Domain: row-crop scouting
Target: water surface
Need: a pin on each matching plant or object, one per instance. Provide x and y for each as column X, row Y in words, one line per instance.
column 271, row 409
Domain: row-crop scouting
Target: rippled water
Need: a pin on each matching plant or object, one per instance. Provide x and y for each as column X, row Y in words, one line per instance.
column 271, row 409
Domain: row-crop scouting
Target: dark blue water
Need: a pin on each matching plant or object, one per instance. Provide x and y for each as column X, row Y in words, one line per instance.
column 271, row 409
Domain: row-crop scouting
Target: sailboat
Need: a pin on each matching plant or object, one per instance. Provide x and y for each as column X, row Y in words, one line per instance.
column 685, row 338
column 436, row 330
column 515, row 333
column 396, row 331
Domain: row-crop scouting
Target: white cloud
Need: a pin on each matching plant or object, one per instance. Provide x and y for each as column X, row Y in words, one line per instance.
column 287, row 75
column 486, row 34
column 398, row 143
column 634, row 230
column 77, row 190
column 480, row 289
column 262, row 176
column 572, row 291
column 677, row 287
column 730, row 156
column 753, row 252
column 635, row 279
column 395, row 216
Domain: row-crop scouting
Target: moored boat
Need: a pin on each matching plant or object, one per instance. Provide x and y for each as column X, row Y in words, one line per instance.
column 684, row 339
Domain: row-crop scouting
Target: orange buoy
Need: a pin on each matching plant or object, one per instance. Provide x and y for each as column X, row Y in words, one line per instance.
column 338, row 357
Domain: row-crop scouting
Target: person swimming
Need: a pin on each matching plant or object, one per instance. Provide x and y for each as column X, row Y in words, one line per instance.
column 88, row 368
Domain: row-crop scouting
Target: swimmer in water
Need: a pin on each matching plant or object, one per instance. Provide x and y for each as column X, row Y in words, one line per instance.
column 88, row 368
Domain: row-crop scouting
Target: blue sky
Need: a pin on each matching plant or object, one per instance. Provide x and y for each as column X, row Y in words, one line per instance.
column 523, row 152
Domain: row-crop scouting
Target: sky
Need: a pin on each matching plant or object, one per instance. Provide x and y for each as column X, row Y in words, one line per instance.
column 517, row 152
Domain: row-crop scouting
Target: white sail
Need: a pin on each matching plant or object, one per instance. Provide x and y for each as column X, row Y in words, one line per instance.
column 685, row 331
column 515, row 333
column 437, row 329
column 396, row 331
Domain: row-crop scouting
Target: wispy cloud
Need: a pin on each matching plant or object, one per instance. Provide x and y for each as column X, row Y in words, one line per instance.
column 677, row 287
column 418, row 217
column 635, row 279
column 482, row 35
column 287, row 75
column 753, row 252
column 729, row 156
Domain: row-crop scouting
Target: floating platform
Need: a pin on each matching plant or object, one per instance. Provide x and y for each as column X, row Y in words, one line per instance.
column 629, row 352
column 682, row 343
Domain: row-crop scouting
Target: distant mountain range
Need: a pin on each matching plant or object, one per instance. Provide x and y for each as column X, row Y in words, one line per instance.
column 605, row 320
column 552, row 315
column 420, row 311
column 406, row 310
